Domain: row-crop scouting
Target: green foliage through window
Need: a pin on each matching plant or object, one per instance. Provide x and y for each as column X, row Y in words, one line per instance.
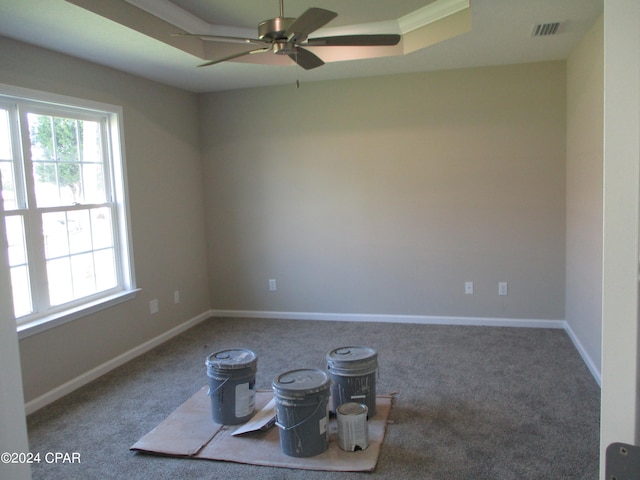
column 56, row 145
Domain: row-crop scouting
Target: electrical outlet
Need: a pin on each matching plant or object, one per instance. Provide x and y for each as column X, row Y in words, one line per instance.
column 468, row 288
column 272, row 284
column 176, row 297
column 503, row 288
column 153, row 306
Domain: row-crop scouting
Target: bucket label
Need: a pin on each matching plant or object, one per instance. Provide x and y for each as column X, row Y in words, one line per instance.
column 245, row 399
column 323, row 424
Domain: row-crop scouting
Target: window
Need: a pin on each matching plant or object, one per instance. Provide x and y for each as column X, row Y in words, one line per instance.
column 63, row 193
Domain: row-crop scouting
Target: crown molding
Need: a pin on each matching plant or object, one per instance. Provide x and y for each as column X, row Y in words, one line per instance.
column 431, row 13
column 171, row 13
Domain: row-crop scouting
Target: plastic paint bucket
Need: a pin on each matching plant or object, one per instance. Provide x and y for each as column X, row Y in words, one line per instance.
column 353, row 429
column 353, row 372
column 232, row 381
column 302, row 411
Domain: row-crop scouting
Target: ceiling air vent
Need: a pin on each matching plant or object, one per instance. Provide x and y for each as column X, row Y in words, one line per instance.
column 545, row 29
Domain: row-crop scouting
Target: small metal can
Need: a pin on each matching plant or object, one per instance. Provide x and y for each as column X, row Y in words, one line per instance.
column 353, row 429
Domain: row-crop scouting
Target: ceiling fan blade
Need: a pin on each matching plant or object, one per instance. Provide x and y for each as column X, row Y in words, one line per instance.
column 306, row 59
column 235, row 55
column 221, row 38
column 310, row 21
column 354, row 41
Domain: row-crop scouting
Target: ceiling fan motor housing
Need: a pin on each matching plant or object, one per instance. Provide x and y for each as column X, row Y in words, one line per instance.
column 274, row 28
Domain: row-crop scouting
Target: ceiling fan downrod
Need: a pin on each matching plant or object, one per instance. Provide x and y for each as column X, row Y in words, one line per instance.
column 274, row 28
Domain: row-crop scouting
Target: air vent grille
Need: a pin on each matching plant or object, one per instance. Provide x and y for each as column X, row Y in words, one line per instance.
column 545, row 29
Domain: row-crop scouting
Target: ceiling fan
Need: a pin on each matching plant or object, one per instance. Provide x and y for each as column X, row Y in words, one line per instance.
column 289, row 36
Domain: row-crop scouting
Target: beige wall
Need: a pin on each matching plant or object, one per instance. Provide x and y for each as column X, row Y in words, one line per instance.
column 167, row 214
column 385, row 195
column 585, row 105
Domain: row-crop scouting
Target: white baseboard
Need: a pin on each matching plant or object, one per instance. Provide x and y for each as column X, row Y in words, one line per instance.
column 417, row 319
column 424, row 320
column 593, row 368
column 75, row 383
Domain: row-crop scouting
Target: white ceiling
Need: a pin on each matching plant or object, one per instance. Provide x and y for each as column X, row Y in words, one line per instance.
column 501, row 34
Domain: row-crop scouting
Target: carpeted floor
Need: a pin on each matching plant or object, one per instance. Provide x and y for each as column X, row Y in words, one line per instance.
column 473, row 403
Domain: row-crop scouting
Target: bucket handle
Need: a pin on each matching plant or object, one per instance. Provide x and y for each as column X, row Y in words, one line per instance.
column 301, row 422
column 211, row 392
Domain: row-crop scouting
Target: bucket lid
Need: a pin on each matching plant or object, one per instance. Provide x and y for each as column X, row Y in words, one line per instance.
column 346, row 356
column 301, row 382
column 232, row 359
column 352, row 408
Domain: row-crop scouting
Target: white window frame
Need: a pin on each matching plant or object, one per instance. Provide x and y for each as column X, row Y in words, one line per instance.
column 53, row 104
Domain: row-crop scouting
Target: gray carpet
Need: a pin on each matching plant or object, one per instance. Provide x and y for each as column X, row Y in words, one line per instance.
column 472, row 403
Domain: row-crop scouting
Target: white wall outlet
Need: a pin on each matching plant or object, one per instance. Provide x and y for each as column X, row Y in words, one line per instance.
column 503, row 288
column 153, row 306
column 272, row 285
column 468, row 288
column 176, row 297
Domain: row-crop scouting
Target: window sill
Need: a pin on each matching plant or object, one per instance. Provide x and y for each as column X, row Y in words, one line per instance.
column 51, row 321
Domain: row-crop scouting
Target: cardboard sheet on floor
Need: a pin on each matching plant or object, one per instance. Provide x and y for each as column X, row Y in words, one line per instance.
column 189, row 432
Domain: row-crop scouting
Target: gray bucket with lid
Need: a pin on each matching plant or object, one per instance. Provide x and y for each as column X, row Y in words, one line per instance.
column 302, row 413
column 353, row 372
column 232, row 385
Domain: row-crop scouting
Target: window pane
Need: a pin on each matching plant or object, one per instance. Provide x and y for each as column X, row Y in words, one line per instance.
column 54, row 138
column 80, row 253
column 79, row 228
column 8, row 186
column 105, row 267
column 83, row 273
column 67, row 134
column 15, row 237
column 93, row 183
column 101, row 229
column 41, row 135
column 17, row 253
column 60, row 284
column 6, row 163
column 67, row 160
column 57, row 183
column 56, row 239
column 90, row 142
column 5, row 136
column 21, row 291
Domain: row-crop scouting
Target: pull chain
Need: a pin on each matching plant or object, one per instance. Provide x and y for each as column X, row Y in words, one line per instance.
column 297, row 70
